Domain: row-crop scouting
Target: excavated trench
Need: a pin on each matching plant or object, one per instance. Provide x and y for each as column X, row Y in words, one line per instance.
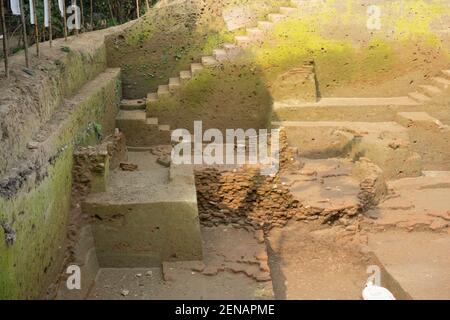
column 362, row 176
column 261, row 238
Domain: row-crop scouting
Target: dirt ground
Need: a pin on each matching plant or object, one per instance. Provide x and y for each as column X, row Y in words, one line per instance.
column 310, row 265
column 233, row 268
column 304, row 264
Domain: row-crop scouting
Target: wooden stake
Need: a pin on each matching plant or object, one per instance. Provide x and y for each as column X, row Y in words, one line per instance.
column 24, row 30
column 5, row 38
column 50, row 28
column 36, row 27
column 92, row 16
column 74, row 3
column 137, row 9
column 43, row 32
column 65, row 20
column 82, row 14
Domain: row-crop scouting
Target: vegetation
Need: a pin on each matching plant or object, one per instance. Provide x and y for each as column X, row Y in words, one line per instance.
column 96, row 14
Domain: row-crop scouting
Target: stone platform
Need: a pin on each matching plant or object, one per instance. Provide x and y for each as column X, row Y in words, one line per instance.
column 146, row 217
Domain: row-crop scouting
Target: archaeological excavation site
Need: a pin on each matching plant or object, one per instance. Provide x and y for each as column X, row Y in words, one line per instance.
column 225, row 150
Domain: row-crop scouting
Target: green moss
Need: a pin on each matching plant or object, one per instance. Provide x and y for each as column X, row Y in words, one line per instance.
column 378, row 56
column 39, row 218
column 78, row 68
column 232, row 96
column 202, row 45
column 293, row 42
column 169, row 39
column 39, row 212
column 414, row 18
column 140, row 32
column 197, row 90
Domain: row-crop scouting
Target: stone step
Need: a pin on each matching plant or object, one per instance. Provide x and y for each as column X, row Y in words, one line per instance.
column 174, row 84
column 164, row 127
column 230, row 46
column 429, row 90
column 185, row 76
column 276, row 17
column 419, row 97
column 442, row 83
column 163, row 90
column 265, row 25
column 288, row 11
column 131, row 115
column 139, row 149
column 152, row 97
column 255, row 33
column 152, row 121
column 220, row 54
column 145, row 132
column 135, row 104
column 243, row 41
column 209, row 61
column 446, row 73
column 141, row 131
column 196, row 67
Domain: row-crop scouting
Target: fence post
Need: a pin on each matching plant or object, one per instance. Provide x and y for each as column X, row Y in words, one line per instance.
column 24, row 30
column 50, row 28
column 36, row 27
column 65, row 20
column 137, row 9
column 5, row 38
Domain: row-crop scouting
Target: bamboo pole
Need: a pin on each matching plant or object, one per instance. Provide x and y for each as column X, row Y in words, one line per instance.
column 82, row 14
column 65, row 20
column 137, row 9
column 24, row 30
column 5, row 38
column 36, row 27
column 74, row 6
column 92, row 15
column 50, row 27
column 43, row 33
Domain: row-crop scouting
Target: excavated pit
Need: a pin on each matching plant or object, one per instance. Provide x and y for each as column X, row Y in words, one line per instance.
column 362, row 181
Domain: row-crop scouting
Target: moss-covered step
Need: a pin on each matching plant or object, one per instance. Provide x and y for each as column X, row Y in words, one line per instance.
column 135, row 104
